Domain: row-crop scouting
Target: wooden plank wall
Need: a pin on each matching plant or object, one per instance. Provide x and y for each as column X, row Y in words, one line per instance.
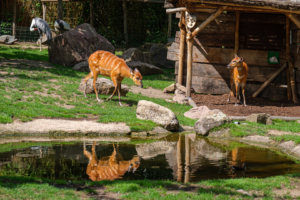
column 295, row 50
column 214, row 48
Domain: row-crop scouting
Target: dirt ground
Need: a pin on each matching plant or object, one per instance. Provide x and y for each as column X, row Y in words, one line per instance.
column 254, row 105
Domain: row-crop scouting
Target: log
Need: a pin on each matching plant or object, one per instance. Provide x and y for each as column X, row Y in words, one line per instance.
column 287, row 51
column 263, row 86
column 224, row 56
column 14, row 18
column 169, row 25
column 208, row 20
column 236, row 46
column 189, row 66
column 174, row 10
column 44, row 10
column 91, row 13
column 125, row 23
column 181, row 51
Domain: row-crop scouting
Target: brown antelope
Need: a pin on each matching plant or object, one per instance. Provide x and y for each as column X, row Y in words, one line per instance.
column 109, row 167
column 108, row 64
column 238, row 76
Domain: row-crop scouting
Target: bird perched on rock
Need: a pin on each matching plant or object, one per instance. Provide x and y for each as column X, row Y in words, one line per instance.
column 41, row 26
column 61, row 26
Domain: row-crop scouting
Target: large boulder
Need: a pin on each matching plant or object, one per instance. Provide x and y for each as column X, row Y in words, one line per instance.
column 77, row 45
column 148, row 110
column 159, row 57
column 82, row 67
column 197, row 112
column 104, row 86
column 145, row 68
column 262, row 118
column 212, row 119
column 134, row 54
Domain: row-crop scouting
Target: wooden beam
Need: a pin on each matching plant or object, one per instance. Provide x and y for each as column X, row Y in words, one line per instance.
column 293, row 82
column 44, row 10
column 182, row 45
column 14, row 18
column 187, row 167
column 169, row 25
column 189, row 65
column 125, row 23
column 294, row 18
column 287, row 51
column 91, row 13
column 237, row 32
column 263, row 86
column 60, row 10
column 218, row 3
column 145, row 1
column 208, row 20
column 174, row 10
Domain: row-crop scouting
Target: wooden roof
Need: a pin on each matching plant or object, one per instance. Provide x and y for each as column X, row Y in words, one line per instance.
column 272, row 4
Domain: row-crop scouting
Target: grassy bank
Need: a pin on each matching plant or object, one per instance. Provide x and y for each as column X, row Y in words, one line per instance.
column 262, row 188
column 28, row 91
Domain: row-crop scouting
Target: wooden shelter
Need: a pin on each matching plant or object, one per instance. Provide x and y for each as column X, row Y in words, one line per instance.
column 254, row 30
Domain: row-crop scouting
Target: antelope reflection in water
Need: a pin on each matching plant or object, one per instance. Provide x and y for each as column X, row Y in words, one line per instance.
column 109, row 167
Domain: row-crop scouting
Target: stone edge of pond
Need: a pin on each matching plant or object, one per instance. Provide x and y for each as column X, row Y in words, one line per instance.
column 287, row 147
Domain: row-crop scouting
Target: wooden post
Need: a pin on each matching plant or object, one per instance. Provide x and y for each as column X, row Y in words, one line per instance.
column 60, row 11
column 190, row 41
column 208, row 20
column 91, row 13
column 179, row 163
column 169, row 25
column 289, row 60
column 287, row 51
column 14, row 19
column 182, row 45
column 44, row 11
column 125, row 23
column 262, row 87
column 293, row 17
column 237, row 31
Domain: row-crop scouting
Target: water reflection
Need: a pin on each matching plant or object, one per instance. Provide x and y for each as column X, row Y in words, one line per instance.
column 109, row 167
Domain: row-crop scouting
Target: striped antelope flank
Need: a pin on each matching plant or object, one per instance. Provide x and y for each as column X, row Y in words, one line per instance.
column 108, row 64
column 238, row 76
column 109, row 167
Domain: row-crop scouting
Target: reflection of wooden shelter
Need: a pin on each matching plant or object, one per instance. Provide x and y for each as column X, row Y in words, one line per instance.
column 252, row 29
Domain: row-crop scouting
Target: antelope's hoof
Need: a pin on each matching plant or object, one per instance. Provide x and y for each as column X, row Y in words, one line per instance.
column 228, row 100
column 245, row 105
column 120, row 104
column 99, row 100
column 236, row 104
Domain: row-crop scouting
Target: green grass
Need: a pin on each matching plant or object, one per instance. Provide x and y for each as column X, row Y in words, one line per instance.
column 261, row 188
column 294, row 138
column 30, row 92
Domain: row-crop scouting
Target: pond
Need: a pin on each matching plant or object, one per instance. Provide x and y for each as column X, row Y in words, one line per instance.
column 184, row 158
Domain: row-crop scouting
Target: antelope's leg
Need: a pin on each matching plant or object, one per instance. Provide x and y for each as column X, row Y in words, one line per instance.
column 85, row 81
column 237, row 85
column 243, row 90
column 94, row 151
column 116, row 87
column 94, row 84
column 119, row 92
column 231, row 91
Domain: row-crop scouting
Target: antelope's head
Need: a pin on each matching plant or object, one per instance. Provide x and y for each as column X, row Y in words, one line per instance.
column 134, row 163
column 136, row 76
column 236, row 62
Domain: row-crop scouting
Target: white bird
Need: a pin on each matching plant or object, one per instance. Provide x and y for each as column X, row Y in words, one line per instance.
column 61, row 26
column 41, row 26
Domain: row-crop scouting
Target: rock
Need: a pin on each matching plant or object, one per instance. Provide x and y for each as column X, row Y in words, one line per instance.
column 104, row 86
column 212, row 119
column 177, row 91
column 148, row 110
column 180, row 98
column 151, row 150
column 159, row 57
column 82, row 66
column 262, row 118
column 298, row 121
column 244, row 192
column 192, row 103
column 159, row 130
column 296, row 150
column 180, row 87
column 44, row 38
column 134, row 54
column 145, row 68
column 197, row 112
column 257, row 138
column 76, row 45
column 220, row 133
column 170, row 88
column 143, row 133
column 287, row 145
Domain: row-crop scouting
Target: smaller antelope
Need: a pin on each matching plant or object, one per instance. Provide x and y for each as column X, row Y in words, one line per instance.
column 238, row 76
column 108, row 64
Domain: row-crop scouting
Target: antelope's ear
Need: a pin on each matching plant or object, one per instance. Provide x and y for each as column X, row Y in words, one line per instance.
column 131, row 71
column 241, row 59
column 136, row 70
column 236, row 55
